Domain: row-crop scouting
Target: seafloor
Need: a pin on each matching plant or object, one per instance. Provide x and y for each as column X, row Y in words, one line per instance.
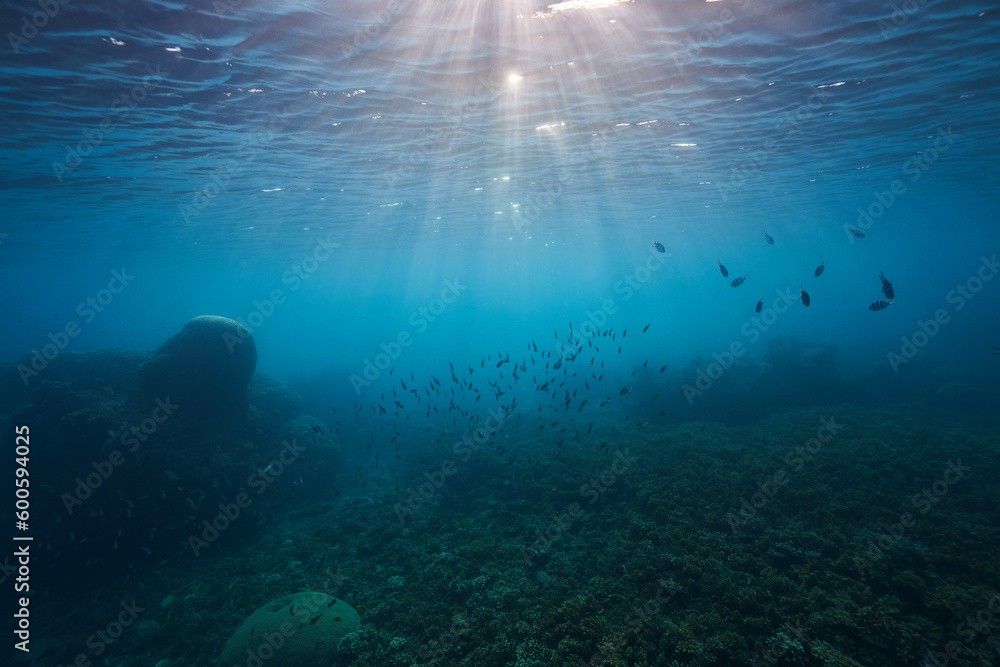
column 875, row 543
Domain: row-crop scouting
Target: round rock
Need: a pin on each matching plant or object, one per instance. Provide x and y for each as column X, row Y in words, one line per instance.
column 300, row 630
column 204, row 367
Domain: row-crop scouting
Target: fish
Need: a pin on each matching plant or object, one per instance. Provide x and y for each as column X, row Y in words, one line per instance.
column 880, row 305
column 760, row 305
column 739, row 281
column 658, row 246
column 858, row 234
column 645, row 329
column 887, row 287
column 624, row 391
column 768, row 238
column 804, row 295
column 725, row 274
column 820, row 269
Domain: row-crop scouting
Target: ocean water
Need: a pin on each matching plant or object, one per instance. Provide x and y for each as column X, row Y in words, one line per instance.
column 510, row 401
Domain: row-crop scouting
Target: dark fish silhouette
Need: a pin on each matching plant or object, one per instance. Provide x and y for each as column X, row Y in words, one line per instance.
column 820, row 269
column 804, row 295
column 725, row 274
column 760, row 305
column 768, row 238
column 887, row 287
column 880, row 305
column 658, row 246
column 739, row 281
column 858, row 234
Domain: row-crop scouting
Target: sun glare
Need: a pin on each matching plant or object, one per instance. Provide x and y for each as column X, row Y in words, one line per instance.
column 585, row 4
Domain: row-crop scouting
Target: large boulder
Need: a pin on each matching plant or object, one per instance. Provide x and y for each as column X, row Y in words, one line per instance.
column 205, row 367
column 300, row 630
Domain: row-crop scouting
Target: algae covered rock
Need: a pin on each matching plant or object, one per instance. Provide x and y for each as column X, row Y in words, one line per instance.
column 300, row 630
column 205, row 367
column 274, row 401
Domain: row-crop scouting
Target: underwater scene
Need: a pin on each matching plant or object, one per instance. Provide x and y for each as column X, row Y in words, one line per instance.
column 489, row 333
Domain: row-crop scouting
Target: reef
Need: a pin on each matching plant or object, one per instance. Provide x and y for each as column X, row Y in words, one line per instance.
column 775, row 543
column 182, row 449
column 205, row 366
column 741, row 388
column 302, row 629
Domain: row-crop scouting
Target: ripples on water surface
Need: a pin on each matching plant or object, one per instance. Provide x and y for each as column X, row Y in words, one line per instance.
column 529, row 154
column 673, row 95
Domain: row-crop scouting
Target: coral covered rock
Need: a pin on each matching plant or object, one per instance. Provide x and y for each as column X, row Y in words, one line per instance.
column 275, row 402
column 303, row 630
column 205, row 367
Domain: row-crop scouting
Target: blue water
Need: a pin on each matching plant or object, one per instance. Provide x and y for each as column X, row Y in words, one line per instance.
column 424, row 161
column 376, row 187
